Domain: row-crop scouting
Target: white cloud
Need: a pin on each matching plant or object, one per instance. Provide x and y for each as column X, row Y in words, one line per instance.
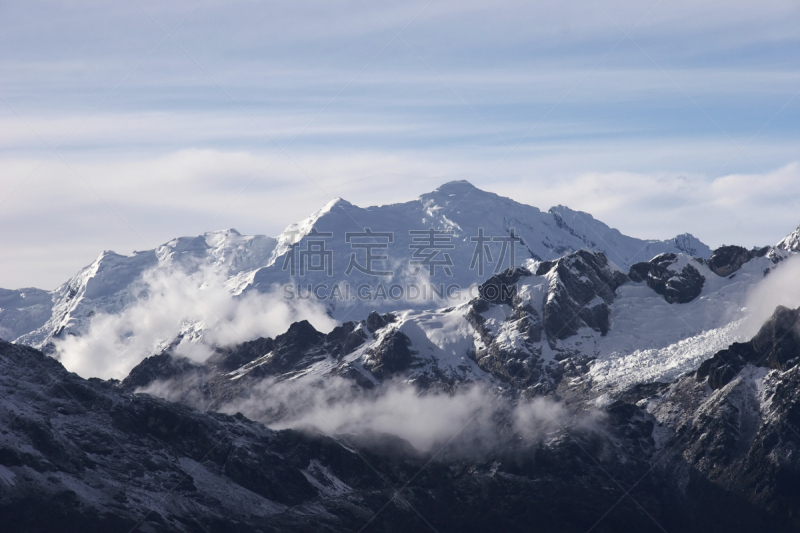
column 780, row 287
column 472, row 419
column 168, row 150
column 198, row 307
column 744, row 209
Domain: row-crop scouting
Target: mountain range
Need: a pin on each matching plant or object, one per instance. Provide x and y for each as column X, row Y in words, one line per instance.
column 588, row 381
column 259, row 263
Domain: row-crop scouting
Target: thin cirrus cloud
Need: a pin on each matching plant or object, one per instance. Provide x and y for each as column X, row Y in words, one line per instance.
column 688, row 125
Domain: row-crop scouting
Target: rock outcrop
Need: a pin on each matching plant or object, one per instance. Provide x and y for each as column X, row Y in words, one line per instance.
column 582, row 286
column 670, row 275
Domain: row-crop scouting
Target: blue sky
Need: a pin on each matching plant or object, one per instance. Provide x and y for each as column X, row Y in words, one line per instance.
column 656, row 117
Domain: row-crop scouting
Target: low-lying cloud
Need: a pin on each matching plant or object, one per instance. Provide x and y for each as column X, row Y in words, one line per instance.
column 196, row 307
column 780, row 287
column 470, row 420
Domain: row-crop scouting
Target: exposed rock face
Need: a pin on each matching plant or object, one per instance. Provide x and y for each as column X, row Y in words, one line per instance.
column 391, row 356
column 501, row 288
column 582, row 286
column 284, row 356
column 376, row 322
column 761, row 252
column 518, row 361
column 299, row 347
column 728, row 259
column 778, row 340
column 579, row 288
column 739, row 441
column 670, row 275
column 230, row 358
column 776, row 346
column 345, row 338
column 158, row 367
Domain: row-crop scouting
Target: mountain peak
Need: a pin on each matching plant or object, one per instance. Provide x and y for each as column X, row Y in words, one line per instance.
column 456, row 186
column 453, row 189
column 229, row 231
column 791, row 243
column 336, row 202
column 454, row 192
column 688, row 243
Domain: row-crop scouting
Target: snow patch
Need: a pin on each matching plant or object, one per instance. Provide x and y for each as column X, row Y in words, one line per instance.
column 324, row 481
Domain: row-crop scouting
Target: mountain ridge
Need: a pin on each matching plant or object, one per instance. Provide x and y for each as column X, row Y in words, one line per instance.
column 257, row 262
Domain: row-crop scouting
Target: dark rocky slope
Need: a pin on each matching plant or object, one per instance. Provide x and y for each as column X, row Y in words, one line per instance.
column 85, row 455
column 666, row 275
column 582, row 286
column 79, row 455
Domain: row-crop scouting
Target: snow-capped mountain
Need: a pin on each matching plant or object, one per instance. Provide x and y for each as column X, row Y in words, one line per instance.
column 791, row 243
column 593, row 369
column 471, row 236
column 474, row 232
column 113, row 281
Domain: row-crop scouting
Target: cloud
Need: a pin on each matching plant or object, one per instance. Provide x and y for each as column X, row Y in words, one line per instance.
column 167, row 150
column 197, row 307
column 780, row 287
column 472, row 419
column 746, row 209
